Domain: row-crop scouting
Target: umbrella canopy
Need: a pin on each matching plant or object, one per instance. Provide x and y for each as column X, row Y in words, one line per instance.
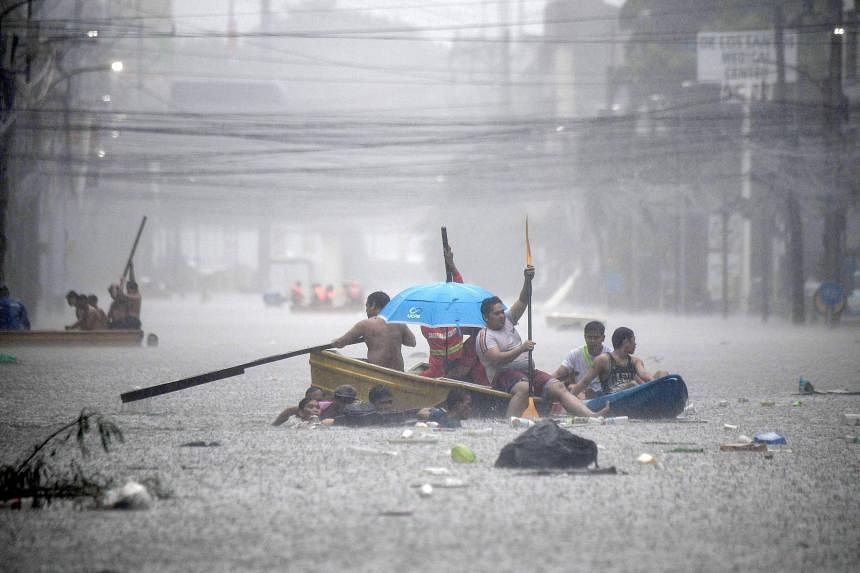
column 438, row 304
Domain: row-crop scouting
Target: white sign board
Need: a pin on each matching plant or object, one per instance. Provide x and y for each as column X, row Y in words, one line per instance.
column 749, row 57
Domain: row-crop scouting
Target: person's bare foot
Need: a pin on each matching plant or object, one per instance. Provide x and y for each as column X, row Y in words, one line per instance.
column 603, row 413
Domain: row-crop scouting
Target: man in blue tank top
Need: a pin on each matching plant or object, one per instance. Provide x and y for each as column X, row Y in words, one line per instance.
column 618, row 369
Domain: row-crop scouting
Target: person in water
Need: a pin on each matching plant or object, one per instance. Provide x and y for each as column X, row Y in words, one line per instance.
column 618, row 369
column 458, row 407
column 312, row 392
column 383, row 339
column 308, row 414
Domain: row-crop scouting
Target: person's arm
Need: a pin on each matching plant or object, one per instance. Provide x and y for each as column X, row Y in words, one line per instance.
column 519, row 307
column 596, row 369
column 564, row 374
column 407, row 337
column 498, row 357
column 352, row 336
column 451, row 266
column 641, row 373
column 285, row 415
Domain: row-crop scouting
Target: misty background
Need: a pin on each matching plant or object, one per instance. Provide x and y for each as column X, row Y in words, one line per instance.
column 324, row 141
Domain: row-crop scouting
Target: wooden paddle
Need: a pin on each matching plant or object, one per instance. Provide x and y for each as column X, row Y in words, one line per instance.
column 531, row 410
column 177, row 385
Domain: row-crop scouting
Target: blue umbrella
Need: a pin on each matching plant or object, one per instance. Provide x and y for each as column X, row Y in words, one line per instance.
column 438, row 304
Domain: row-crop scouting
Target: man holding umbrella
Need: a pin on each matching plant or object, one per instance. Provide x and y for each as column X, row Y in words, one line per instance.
column 450, row 354
column 506, row 357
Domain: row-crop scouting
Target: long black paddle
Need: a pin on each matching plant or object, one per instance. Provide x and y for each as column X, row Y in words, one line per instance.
column 449, row 275
column 133, row 249
column 177, row 385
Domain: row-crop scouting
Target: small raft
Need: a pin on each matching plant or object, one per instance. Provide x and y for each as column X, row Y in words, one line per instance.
column 664, row 397
column 71, row 337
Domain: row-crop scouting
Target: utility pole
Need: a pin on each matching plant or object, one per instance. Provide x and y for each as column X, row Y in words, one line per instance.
column 793, row 220
column 835, row 110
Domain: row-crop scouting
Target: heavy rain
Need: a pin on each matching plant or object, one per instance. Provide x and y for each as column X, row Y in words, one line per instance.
column 685, row 169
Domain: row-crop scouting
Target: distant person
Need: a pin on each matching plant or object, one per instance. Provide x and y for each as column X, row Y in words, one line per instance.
column 72, row 301
column 329, row 295
column 312, row 392
column 297, row 294
column 93, row 301
column 88, row 316
column 354, row 296
column 618, row 369
column 450, row 355
column 383, row 339
column 13, row 313
column 579, row 360
column 506, row 359
column 124, row 311
column 318, row 292
column 458, row 407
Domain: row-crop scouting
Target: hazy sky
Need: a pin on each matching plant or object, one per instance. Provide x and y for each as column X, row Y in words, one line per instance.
column 212, row 14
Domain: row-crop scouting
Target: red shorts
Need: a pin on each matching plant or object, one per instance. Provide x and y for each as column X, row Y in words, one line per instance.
column 506, row 379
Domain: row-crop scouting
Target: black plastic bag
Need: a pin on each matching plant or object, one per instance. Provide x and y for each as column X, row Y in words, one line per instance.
column 545, row 445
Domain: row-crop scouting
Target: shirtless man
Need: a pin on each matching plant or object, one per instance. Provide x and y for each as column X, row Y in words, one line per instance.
column 618, row 369
column 88, row 317
column 383, row 339
column 124, row 311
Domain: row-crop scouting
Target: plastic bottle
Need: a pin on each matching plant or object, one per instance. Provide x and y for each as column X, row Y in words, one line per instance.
column 521, row 422
column 616, row 420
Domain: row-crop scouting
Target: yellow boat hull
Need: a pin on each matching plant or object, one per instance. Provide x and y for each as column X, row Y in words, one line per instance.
column 71, row 337
column 330, row 369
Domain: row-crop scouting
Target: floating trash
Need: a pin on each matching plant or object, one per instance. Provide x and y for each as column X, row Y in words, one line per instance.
column 425, row 490
column 743, row 447
column 462, row 454
column 438, row 471
column 132, row 495
column 769, row 438
column 646, row 459
column 372, row 451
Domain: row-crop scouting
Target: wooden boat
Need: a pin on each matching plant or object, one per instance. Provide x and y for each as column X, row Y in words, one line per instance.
column 71, row 337
column 664, row 397
column 330, row 369
column 567, row 320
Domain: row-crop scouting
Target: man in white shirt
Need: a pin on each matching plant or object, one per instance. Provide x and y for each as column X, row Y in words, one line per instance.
column 579, row 360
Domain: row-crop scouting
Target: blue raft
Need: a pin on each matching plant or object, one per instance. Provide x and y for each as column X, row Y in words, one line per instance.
column 663, row 397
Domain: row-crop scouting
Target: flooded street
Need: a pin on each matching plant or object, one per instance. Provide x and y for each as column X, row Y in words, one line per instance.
column 279, row 499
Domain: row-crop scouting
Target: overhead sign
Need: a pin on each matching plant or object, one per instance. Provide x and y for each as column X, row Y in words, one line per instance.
column 748, row 57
